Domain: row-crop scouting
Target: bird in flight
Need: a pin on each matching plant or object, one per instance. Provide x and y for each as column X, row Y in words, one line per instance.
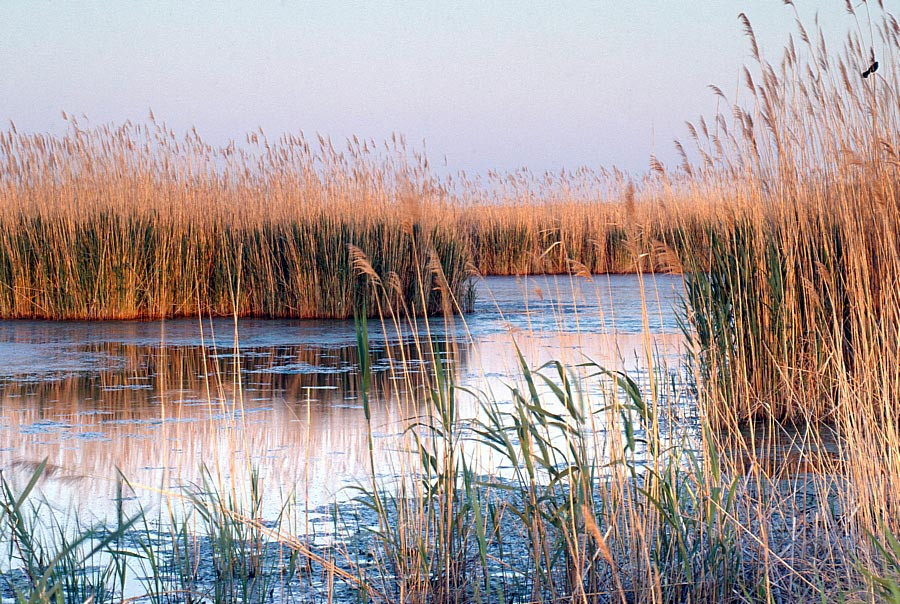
column 872, row 69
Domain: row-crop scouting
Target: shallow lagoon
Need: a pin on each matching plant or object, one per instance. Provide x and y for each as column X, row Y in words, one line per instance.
column 158, row 400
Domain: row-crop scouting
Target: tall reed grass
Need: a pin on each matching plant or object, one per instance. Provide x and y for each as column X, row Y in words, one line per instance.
column 136, row 221
column 792, row 297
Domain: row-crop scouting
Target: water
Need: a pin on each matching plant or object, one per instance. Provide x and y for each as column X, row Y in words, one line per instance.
column 157, row 401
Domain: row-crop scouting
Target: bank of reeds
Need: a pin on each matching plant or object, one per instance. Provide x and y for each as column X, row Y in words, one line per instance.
column 136, row 221
column 794, row 293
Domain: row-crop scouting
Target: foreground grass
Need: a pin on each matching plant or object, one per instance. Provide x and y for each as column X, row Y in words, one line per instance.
column 575, row 483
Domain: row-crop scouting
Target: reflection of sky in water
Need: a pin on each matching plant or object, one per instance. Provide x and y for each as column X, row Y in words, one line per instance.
column 97, row 397
column 552, row 304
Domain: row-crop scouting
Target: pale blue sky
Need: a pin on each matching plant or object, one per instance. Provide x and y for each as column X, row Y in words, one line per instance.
column 488, row 84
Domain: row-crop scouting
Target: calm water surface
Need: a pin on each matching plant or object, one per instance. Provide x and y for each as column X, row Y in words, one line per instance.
column 159, row 400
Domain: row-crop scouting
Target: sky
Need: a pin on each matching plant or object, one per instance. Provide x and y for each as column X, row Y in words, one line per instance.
column 486, row 84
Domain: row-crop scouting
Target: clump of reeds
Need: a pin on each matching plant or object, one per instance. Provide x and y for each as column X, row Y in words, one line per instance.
column 793, row 298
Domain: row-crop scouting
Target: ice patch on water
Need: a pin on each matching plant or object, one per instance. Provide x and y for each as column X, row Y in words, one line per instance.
column 44, row 426
column 302, row 368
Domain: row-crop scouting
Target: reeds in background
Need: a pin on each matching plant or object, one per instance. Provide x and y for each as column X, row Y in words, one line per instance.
column 135, row 221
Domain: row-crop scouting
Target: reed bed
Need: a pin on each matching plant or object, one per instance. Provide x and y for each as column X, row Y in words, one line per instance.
column 136, row 221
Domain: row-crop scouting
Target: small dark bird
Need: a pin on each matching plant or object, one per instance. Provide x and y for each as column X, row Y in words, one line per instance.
column 872, row 69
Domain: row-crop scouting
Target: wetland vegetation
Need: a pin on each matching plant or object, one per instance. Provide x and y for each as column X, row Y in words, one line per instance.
column 760, row 463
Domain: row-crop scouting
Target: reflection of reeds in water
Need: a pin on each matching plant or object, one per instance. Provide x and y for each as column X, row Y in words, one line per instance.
column 122, row 375
column 296, row 413
column 785, row 451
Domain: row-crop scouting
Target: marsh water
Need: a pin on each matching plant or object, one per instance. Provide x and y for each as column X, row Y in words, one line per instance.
column 157, row 401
